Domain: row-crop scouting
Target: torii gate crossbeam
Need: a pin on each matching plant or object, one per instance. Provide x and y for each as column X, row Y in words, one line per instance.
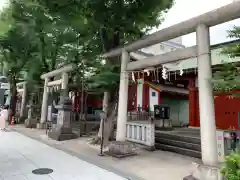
column 212, row 18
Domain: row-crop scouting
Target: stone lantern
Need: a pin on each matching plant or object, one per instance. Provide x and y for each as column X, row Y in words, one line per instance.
column 63, row 129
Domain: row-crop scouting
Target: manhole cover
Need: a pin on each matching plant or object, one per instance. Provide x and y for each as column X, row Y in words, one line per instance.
column 42, row 171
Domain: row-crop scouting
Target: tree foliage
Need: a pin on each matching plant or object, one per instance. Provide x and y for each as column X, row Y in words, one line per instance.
column 17, row 50
column 32, row 42
column 64, row 31
column 49, row 34
column 107, row 24
column 231, row 168
column 233, row 50
column 228, row 78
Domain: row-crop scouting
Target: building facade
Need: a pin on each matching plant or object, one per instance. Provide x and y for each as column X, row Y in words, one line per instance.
column 164, row 47
column 180, row 92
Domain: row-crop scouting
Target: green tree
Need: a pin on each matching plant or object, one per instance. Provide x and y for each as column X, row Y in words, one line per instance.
column 233, row 50
column 109, row 24
column 51, row 32
column 231, row 167
column 53, row 36
column 17, row 50
column 42, row 38
column 228, row 78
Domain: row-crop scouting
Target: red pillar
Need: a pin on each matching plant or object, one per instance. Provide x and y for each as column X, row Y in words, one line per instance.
column 145, row 97
column 132, row 99
column 159, row 97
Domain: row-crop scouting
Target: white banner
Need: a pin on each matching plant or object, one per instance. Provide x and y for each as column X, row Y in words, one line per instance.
column 220, row 145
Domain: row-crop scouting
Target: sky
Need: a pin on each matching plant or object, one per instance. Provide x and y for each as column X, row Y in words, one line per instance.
column 186, row 9
column 2, row 3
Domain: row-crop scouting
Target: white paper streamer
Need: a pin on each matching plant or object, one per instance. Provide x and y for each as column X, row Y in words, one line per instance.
column 181, row 70
column 164, row 73
column 133, row 77
column 147, row 71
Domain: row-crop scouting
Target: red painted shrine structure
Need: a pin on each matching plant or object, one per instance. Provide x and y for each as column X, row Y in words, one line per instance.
column 227, row 107
column 178, row 87
column 90, row 102
column 149, row 88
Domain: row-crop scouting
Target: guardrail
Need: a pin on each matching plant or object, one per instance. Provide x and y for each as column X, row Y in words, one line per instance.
column 139, row 115
column 141, row 132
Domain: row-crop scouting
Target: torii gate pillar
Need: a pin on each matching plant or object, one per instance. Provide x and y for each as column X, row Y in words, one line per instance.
column 120, row 147
column 123, row 99
column 44, row 101
column 209, row 169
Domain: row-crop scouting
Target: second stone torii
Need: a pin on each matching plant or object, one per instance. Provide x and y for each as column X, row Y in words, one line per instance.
column 47, row 83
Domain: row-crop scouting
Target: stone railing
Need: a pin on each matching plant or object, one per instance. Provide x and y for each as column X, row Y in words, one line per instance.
column 142, row 132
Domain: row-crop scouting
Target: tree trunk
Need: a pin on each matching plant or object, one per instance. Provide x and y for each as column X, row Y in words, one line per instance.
column 110, row 102
column 13, row 101
column 82, row 103
column 110, row 105
column 85, row 106
column 2, row 68
column 23, row 103
column 109, row 122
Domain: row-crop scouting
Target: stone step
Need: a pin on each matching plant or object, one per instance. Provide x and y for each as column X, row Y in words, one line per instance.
column 76, row 127
column 175, row 149
column 188, row 132
column 188, row 129
column 181, row 144
column 185, row 138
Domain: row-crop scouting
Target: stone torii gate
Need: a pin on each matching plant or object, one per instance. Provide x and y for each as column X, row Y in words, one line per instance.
column 22, row 88
column 63, row 82
column 200, row 25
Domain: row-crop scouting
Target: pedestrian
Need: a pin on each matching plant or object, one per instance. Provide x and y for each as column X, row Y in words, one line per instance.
column 4, row 117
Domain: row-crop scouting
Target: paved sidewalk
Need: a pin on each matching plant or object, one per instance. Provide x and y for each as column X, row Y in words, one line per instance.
column 157, row 165
column 20, row 155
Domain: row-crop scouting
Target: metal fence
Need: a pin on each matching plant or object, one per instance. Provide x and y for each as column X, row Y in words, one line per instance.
column 142, row 114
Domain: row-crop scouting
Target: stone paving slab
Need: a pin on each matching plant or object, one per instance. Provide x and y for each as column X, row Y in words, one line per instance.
column 20, row 155
column 157, row 165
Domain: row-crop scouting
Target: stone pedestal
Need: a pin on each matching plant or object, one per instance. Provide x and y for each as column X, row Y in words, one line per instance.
column 63, row 130
column 61, row 133
column 163, row 124
column 30, row 122
column 121, row 149
column 41, row 126
column 22, row 119
column 203, row 172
